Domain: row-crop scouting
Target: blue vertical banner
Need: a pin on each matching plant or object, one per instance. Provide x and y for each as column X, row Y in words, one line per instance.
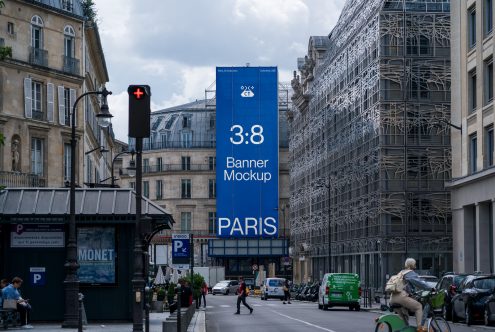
column 247, row 151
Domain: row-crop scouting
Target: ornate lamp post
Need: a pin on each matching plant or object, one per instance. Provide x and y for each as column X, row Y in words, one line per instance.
column 71, row 282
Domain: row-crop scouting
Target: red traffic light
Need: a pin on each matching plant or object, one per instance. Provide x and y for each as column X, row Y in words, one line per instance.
column 138, row 93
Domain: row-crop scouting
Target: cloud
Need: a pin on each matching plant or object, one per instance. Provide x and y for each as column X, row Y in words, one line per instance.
column 174, row 46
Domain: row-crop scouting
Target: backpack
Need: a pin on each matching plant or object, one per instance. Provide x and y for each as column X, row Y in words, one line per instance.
column 396, row 283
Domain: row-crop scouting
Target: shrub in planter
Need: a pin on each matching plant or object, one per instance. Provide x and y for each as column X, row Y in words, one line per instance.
column 160, row 294
column 171, row 292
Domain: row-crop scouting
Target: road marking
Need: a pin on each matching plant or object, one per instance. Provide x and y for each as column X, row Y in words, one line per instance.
column 257, row 305
column 225, row 305
column 209, row 307
column 304, row 322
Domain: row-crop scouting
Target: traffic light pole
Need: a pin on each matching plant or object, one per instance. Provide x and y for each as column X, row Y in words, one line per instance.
column 138, row 280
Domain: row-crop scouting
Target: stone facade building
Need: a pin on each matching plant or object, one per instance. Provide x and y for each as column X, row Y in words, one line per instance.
column 369, row 147
column 56, row 55
column 473, row 174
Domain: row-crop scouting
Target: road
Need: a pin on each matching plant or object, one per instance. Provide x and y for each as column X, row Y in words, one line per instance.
column 273, row 315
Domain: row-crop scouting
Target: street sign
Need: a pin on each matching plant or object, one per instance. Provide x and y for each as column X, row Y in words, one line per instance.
column 181, row 253
column 37, row 276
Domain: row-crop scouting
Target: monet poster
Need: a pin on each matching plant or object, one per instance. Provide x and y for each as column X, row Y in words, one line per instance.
column 96, row 255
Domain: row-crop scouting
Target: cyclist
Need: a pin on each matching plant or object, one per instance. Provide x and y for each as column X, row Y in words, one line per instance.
column 412, row 283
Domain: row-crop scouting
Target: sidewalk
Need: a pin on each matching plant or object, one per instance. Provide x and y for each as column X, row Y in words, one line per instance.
column 198, row 324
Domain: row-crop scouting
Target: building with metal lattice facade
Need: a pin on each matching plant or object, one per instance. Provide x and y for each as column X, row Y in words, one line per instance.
column 369, row 144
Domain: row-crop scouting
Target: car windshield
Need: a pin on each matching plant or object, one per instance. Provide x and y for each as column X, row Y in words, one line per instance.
column 488, row 283
column 275, row 283
column 222, row 284
column 458, row 280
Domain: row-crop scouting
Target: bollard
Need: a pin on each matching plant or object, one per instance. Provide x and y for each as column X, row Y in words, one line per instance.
column 79, row 321
column 147, row 309
column 178, row 308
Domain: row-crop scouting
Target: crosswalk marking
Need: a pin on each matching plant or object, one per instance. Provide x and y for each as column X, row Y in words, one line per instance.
column 226, row 306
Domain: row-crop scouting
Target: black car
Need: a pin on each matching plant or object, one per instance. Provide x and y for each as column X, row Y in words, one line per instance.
column 471, row 298
column 448, row 284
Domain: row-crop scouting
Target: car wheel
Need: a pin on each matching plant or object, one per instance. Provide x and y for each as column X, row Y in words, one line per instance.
column 468, row 316
column 227, row 292
column 357, row 307
column 320, row 306
column 325, row 307
column 488, row 322
column 455, row 319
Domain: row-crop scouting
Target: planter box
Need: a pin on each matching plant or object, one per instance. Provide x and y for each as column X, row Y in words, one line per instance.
column 157, row 306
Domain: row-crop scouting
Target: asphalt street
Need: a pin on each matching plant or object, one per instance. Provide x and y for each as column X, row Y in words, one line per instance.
column 273, row 315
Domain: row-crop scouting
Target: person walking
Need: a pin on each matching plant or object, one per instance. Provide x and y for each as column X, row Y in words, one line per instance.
column 286, row 291
column 241, row 297
column 204, row 291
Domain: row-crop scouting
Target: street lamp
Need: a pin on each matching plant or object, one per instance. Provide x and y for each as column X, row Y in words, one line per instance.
column 71, row 282
column 101, row 148
column 131, row 169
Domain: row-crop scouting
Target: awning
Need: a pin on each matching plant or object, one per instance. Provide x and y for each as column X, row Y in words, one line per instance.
column 90, row 202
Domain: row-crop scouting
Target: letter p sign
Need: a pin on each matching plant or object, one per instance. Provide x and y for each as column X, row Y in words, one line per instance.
column 37, row 276
column 178, row 245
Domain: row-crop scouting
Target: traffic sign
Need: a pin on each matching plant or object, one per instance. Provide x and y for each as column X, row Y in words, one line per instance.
column 181, row 253
column 37, row 276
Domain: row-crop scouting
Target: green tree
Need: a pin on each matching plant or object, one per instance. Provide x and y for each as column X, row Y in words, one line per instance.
column 2, row 4
column 89, row 10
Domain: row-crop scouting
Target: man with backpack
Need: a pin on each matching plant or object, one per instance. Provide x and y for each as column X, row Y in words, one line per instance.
column 402, row 286
column 242, row 297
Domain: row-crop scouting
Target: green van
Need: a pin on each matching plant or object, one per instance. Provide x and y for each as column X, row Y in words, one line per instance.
column 339, row 290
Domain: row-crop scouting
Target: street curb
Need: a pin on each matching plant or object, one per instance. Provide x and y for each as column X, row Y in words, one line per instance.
column 198, row 321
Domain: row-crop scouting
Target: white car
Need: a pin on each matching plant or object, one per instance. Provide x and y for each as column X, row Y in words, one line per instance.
column 225, row 287
column 273, row 288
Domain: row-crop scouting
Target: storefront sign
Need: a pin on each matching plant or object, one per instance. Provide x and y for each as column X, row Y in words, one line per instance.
column 96, row 255
column 37, row 236
column 247, row 151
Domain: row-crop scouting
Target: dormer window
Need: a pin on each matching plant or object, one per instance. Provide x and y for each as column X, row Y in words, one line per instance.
column 186, row 122
column 67, row 5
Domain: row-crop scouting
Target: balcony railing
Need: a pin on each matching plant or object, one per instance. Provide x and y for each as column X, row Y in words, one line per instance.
column 283, row 143
column 39, row 115
column 38, row 56
column 176, row 168
column 71, row 65
column 17, row 179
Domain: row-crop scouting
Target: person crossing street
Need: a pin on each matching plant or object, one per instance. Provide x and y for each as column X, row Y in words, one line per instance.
column 241, row 297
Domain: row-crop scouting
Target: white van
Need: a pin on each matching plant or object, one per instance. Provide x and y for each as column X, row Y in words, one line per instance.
column 273, row 288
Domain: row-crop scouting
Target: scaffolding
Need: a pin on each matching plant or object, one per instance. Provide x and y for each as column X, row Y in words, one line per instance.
column 370, row 145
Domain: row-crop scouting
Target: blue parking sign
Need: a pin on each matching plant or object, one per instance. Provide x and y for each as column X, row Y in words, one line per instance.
column 181, row 250
column 37, row 276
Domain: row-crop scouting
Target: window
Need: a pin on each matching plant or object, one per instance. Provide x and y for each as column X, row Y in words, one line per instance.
column 472, row 91
column 212, row 163
column 36, row 101
column 67, row 161
column 37, row 32
column 489, row 146
column 146, row 189
column 89, row 169
column 473, row 153
column 185, row 188
column 185, row 221
column 212, row 219
column 159, row 189
column 186, row 139
column 132, row 185
column 159, row 164
column 163, row 139
column 487, row 17
column 67, row 5
column 472, row 27
column 186, row 163
column 146, row 165
column 10, row 28
column 37, row 156
column 212, row 188
column 186, row 122
column 212, row 121
column 69, row 41
column 67, row 106
column 488, row 81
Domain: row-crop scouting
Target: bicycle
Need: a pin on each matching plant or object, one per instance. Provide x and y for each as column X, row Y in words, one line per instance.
column 399, row 320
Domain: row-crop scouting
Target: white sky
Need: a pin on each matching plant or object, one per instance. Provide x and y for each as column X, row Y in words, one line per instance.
column 175, row 45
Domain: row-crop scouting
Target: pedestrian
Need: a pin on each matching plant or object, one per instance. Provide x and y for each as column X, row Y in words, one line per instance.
column 242, row 297
column 204, row 291
column 286, row 291
column 11, row 292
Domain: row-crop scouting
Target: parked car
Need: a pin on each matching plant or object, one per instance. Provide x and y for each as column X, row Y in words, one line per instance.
column 471, row 298
column 432, row 281
column 340, row 289
column 448, row 284
column 273, row 288
column 225, row 287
